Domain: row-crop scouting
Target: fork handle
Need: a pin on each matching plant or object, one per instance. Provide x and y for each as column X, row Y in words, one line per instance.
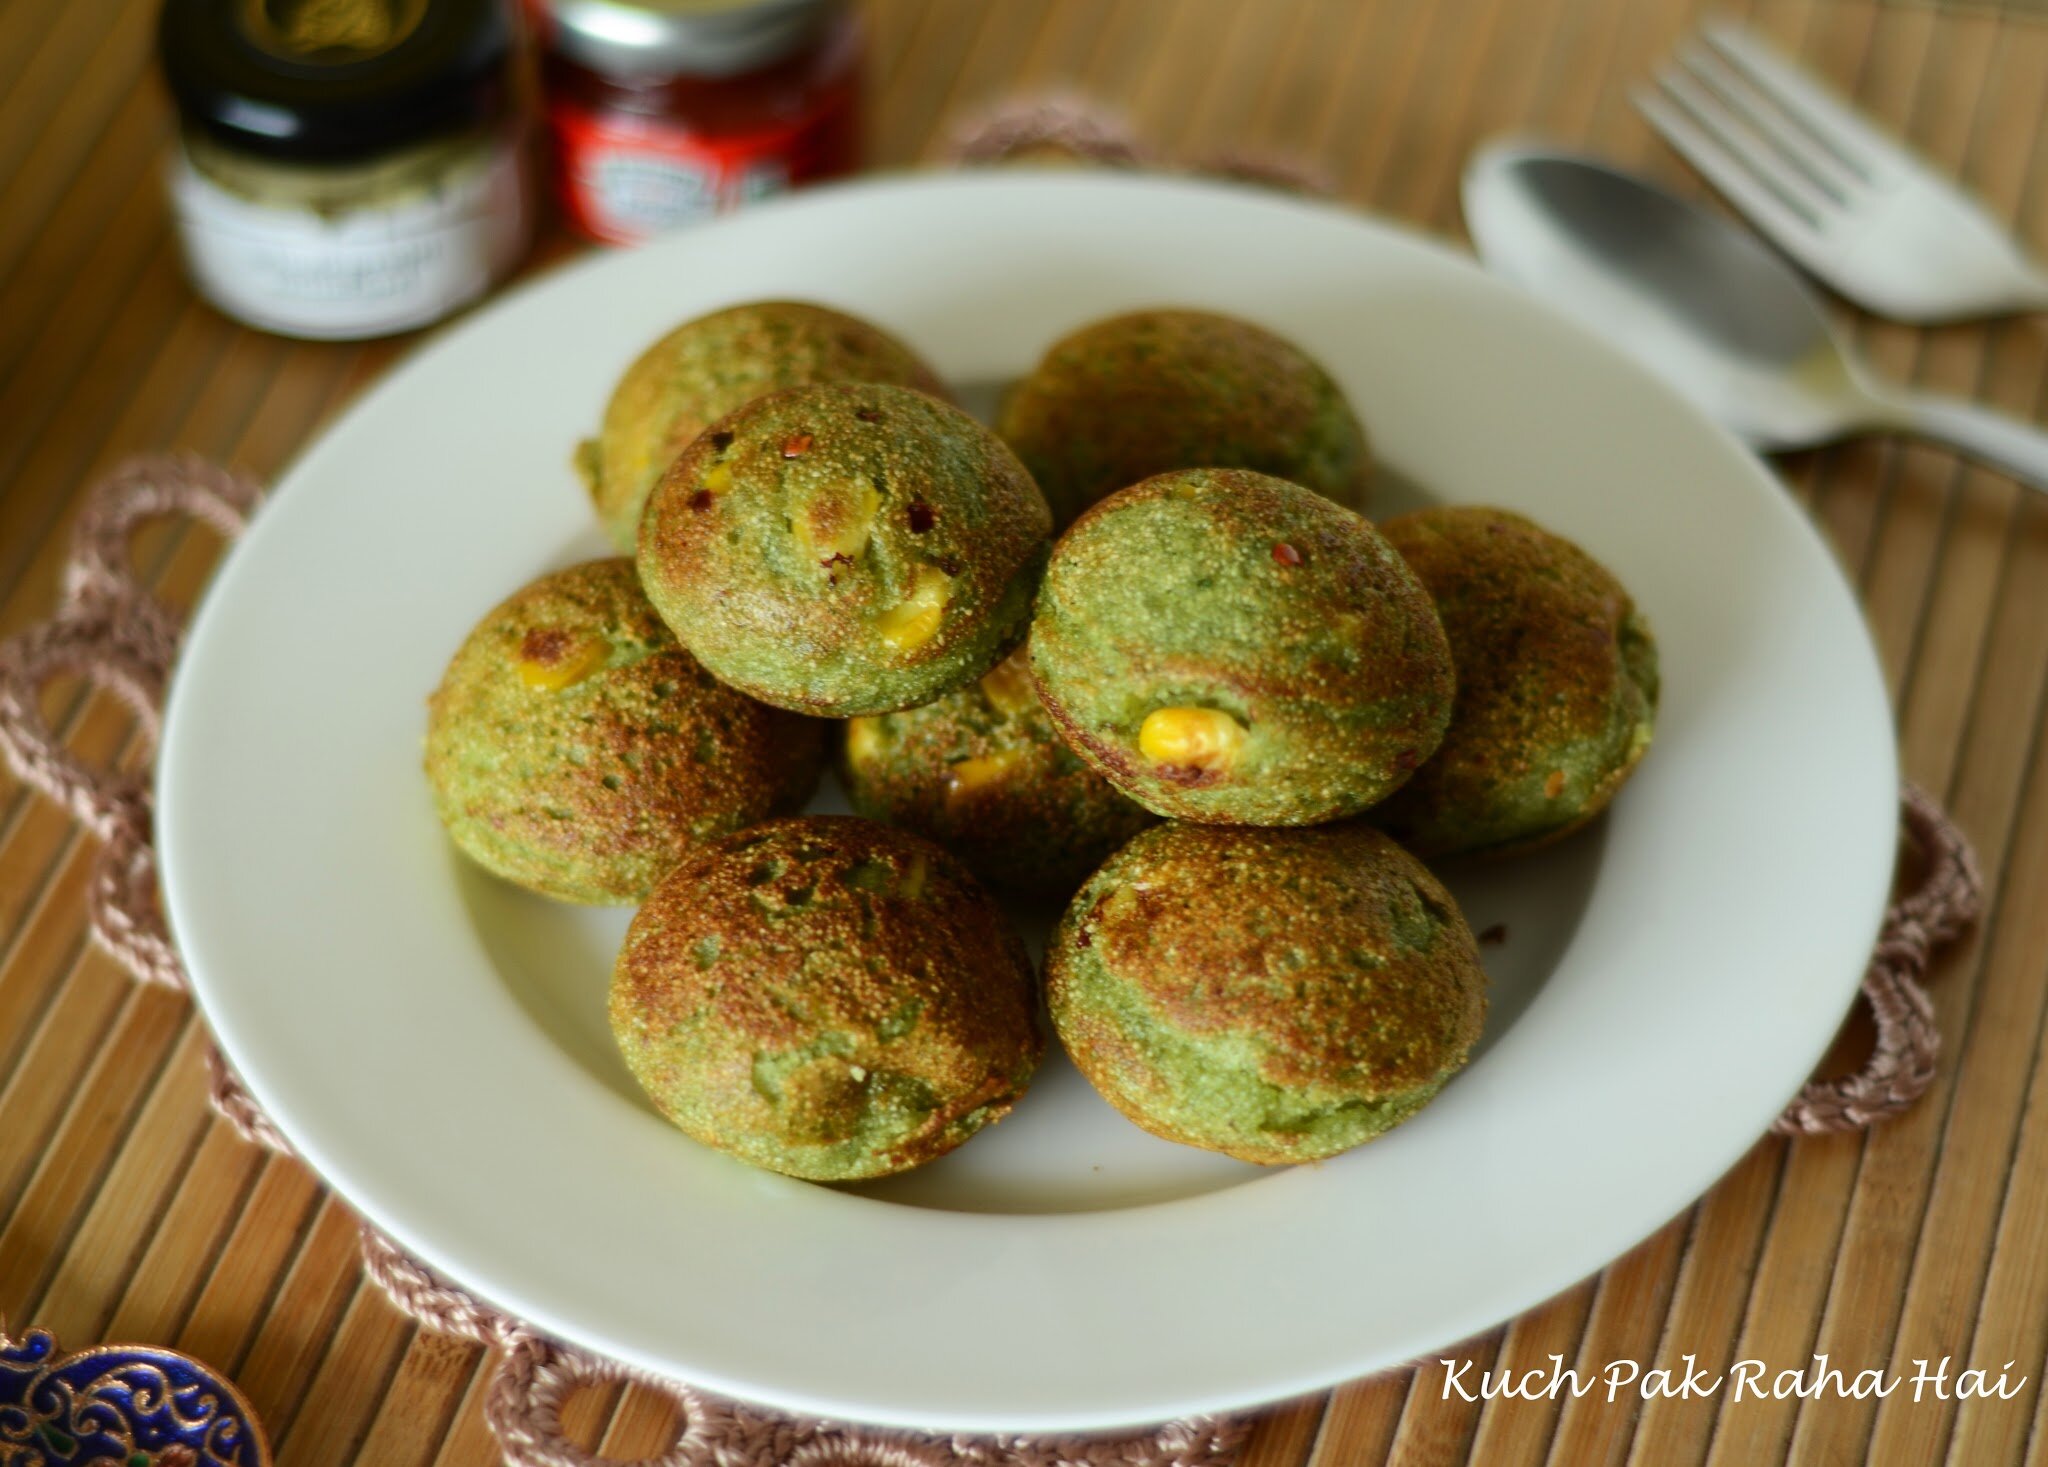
column 2019, row 448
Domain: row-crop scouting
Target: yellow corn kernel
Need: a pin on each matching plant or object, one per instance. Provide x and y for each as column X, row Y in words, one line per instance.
column 1191, row 738
column 717, row 478
column 915, row 620
column 969, row 775
column 863, row 739
column 835, row 524
column 1007, row 686
column 551, row 660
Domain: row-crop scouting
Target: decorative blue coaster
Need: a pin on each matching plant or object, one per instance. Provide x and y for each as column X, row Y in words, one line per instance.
column 122, row 1405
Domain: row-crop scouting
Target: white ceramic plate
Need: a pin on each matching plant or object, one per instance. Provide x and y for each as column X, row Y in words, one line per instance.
column 434, row 1043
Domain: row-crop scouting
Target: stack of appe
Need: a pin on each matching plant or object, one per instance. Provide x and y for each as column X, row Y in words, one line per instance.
column 1224, row 714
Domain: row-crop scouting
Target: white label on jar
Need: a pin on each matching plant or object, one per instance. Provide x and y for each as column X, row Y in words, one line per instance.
column 637, row 194
column 368, row 272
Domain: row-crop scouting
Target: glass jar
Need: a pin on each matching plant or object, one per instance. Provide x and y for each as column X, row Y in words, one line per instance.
column 662, row 112
column 346, row 168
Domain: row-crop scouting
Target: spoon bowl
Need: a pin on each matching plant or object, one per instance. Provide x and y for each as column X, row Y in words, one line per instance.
column 1705, row 305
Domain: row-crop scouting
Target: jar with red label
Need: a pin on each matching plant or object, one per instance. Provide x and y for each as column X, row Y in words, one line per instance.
column 663, row 112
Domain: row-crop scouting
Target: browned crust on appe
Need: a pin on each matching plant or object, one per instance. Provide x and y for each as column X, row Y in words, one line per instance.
column 839, row 958
column 1278, row 995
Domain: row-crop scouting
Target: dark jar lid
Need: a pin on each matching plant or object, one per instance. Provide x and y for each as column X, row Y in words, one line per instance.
column 331, row 81
column 647, row 39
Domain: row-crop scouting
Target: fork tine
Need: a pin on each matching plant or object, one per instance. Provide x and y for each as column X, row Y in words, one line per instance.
column 1764, row 166
column 1856, row 143
column 1775, row 214
column 1763, row 118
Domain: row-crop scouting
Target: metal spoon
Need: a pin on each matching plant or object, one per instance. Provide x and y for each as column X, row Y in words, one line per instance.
column 1708, row 307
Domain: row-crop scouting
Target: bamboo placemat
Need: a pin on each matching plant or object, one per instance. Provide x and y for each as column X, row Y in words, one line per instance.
column 128, row 1212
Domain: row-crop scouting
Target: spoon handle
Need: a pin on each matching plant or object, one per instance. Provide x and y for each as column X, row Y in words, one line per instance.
column 1999, row 439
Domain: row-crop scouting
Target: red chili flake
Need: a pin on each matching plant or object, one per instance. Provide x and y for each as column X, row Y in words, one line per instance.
column 796, row 445
column 1494, row 936
column 922, row 516
column 1084, row 938
column 1407, row 759
column 947, row 564
column 1285, row 554
column 837, row 557
column 867, row 415
column 720, row 442
column 543, row 645
column 702, row 500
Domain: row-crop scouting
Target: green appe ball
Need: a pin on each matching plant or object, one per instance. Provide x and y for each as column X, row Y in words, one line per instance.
column 1276, row 995
column 1557, row 685
column 1279, row 627
column 840, row 550
column 706, row 368
column 576, row 750
column 984, row 772
column 826, row 997
column 1140, row 394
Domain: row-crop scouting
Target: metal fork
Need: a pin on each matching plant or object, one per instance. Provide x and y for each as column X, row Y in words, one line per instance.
column 1852, row 205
